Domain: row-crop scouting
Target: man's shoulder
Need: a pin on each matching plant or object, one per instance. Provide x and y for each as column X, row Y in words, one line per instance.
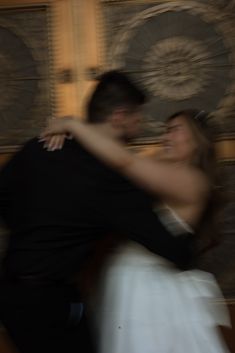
column 35, row 144
column 30, row 144
column 71, row 153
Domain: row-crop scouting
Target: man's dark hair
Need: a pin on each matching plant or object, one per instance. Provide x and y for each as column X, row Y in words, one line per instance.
column 113, row 90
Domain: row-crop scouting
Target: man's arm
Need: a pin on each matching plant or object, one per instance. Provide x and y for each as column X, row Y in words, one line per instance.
column 6, row 173
column 9, row 176
column 130, row 213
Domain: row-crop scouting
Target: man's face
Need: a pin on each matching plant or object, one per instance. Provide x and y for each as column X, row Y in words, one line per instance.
column 131, row 123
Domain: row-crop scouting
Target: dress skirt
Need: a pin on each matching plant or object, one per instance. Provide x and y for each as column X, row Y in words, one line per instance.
column 145, row 305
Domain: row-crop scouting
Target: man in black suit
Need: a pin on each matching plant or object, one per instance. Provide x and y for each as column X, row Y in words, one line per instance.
column 57, row 206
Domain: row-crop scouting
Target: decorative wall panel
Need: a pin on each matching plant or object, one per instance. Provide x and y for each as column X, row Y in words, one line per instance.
column 183, row 52
column 24, row 73
column 221, row 260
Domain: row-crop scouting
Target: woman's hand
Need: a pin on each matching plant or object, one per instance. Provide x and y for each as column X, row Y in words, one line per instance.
column 56, row 132
column 53, row 142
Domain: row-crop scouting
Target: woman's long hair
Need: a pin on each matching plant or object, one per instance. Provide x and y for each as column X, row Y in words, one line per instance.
column 207, row 231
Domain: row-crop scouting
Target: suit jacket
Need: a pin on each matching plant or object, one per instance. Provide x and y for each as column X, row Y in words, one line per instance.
column 57, row 205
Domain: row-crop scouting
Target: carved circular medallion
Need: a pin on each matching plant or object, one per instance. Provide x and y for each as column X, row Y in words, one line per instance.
column 177, row 68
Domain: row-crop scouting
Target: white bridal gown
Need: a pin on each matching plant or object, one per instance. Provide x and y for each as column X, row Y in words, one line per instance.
column 145, row 305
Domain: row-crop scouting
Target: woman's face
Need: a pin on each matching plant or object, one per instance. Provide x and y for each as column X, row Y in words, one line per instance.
column 179, row 141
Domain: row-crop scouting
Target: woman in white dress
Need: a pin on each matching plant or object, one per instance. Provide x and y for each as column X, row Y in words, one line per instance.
column 145, row 304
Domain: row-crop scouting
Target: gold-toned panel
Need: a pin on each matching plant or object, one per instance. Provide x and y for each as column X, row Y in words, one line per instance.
column 226, row 150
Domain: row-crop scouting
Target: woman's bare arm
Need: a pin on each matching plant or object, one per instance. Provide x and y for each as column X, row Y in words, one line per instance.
column 182, row 184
